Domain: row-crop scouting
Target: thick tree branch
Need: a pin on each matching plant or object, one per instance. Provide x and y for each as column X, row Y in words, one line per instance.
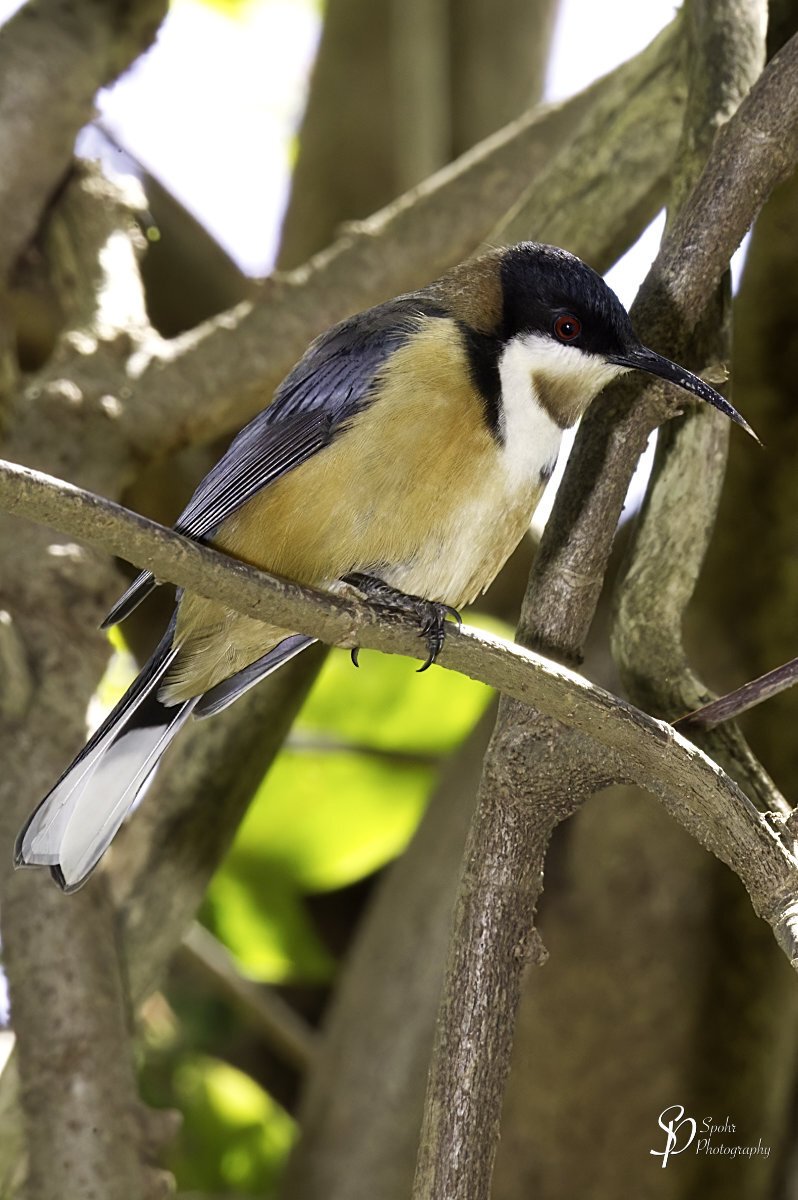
column 162, row 862
column 80, row 1060
column 54, row 56
column 691, row 786
column 477, row 1016
column 673, row 533
column 754, row 151
column 211, row 380
column 55, row 959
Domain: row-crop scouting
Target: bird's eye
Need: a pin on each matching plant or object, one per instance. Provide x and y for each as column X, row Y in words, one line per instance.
column 567, row 327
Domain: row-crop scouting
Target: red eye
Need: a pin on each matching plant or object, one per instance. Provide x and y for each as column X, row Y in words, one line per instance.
column 567, row 327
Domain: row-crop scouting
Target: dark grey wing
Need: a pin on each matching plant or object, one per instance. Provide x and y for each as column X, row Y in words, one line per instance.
column 327, row 387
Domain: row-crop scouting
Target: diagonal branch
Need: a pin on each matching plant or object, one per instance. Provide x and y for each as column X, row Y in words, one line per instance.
column 261, row 1007
column 733, row 704
column 54, row 56
column 692, row 787
column 214, row 378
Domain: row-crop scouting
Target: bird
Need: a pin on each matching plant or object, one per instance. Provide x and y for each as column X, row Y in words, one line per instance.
column 403, row 456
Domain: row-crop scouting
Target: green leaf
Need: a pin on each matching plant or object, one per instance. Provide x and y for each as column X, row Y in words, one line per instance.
column 325, row 820
column 258, row 913
column 235, row 1137
column 388, row 704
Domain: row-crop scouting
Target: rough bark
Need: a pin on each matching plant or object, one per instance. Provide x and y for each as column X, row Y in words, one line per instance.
column 71, row 1052
column 656, row 977
column 649, row 1007
column 70, row 1013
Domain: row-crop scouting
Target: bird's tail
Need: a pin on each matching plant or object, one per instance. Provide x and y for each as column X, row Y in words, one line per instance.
column 72, row 827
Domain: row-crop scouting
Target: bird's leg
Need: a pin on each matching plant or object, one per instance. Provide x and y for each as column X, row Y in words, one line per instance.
column 391, row 603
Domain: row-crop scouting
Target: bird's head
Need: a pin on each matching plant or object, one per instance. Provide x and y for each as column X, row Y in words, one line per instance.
column 560, row 324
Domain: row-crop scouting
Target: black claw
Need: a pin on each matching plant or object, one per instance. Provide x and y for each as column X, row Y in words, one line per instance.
column 430, row 614
column 433, row 628
column 353, row 653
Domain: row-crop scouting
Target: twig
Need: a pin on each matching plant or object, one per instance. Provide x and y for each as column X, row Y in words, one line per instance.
column 732, row 704
column 309, row 743
column 280, row 1026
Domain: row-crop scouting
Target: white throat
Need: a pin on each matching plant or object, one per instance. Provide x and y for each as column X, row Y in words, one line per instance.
column 545, row 387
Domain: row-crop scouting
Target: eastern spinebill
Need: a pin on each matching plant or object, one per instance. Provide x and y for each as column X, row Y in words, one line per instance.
column 404, row 455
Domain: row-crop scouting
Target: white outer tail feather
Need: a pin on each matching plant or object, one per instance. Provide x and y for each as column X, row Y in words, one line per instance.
column 76, row 821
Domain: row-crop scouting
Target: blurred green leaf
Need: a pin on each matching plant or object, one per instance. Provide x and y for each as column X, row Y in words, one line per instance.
column 324, row 819
column 387, row 703
column 258, row 913
column 235, row 1137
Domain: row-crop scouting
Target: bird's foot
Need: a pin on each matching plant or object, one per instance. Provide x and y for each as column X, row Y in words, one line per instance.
column 431, row 615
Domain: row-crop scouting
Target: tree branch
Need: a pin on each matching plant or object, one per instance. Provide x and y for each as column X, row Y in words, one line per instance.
column 67, row 1154
column 694, row 790
column 67, row 991
column 676, row 524
column 733, row 704
column 211, row 380
column 276, row 1023
column 54, row 56
column 504, row 858
column 754, row 151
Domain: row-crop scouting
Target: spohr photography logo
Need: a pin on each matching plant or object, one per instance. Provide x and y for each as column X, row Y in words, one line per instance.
column 711, row 1136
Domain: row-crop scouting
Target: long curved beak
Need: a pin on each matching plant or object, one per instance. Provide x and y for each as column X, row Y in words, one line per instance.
column 643, row 359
